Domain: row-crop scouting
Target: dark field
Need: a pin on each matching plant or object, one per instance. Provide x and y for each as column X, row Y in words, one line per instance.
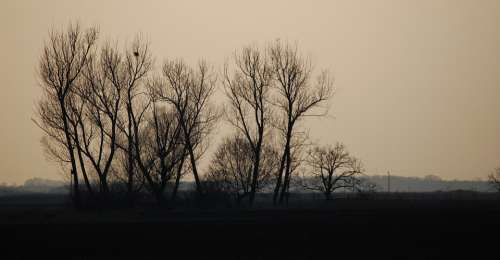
column 384, row 227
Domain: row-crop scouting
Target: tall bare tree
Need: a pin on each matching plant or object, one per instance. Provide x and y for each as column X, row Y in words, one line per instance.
column 297, row 98
column 189, row 91
column 248, row 90
column 332, row 168
column 101, row 89
column 135, row 64
column 63, row 59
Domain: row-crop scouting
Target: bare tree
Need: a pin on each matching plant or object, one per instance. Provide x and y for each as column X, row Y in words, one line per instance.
column 248, row 91
column 231, row 168
column 494, row 179
column 53, row 142
column 188, row 91
column 76, row 118
column 63, row 59
column 297, row 98
column 332, row 168
column 51, row 122
column 161, row 151
column 298, row 147
column 135, row 64
column 100, row 89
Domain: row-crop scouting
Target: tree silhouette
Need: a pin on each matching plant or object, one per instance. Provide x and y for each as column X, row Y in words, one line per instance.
column 231, row 169
column 63, row 58
column 161, row 151
column 101, row 90
column 136, row 64
column 332, row 168
column 108, row 116
column 249, row 109
column 297, row 98
column 189, row 91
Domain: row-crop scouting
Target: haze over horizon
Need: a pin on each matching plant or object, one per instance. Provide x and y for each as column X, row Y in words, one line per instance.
column 417, row 82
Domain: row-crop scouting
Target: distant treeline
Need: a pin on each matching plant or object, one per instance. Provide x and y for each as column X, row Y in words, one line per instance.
column 35, row 185
column 428, row 183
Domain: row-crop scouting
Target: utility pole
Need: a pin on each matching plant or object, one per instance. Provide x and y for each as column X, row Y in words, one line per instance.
column 388, row 181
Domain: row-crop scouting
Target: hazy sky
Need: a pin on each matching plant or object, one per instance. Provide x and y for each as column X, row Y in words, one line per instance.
column 417, row 82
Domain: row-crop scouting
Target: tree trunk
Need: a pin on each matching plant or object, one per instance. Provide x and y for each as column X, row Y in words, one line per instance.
column 255, row 174
column 76, row 194
column 130, row 160
column 285, row 164
column 104, row 184
column 178, row 177
column 287, row 176
column 195, row 170
column 82, row 166
column 280, row 178
column 192, row 159
column 286, row 181
column 328, row 195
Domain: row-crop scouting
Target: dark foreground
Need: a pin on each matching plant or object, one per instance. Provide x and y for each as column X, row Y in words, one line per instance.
column 343, row 229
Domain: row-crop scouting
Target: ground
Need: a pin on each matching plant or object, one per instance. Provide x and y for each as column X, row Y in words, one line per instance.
column 381, row 228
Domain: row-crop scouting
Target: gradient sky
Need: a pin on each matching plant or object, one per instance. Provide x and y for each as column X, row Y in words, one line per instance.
column 417, row 82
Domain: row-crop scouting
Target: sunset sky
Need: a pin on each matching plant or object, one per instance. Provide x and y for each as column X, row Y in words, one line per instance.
column 417, row 83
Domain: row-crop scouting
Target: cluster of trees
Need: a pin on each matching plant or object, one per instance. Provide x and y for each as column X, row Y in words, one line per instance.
column 109, row 116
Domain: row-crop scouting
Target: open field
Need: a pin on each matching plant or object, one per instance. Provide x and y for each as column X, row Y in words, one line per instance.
column 349, row 227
